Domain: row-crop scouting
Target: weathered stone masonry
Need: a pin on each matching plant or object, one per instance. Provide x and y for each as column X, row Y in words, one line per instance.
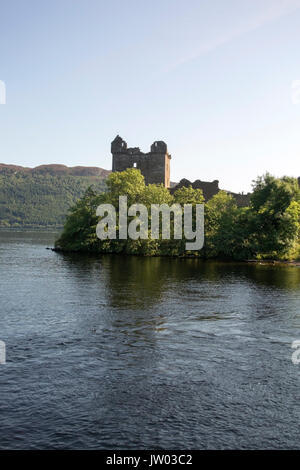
column 154, row 166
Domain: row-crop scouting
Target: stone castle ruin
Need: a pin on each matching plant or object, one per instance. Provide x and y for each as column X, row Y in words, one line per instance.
column 155, row 167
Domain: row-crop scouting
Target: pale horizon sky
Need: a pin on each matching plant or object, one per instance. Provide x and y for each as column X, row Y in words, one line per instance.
column 212, row 79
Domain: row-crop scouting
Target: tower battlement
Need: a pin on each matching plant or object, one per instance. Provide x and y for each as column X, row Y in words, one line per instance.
column 154, row 166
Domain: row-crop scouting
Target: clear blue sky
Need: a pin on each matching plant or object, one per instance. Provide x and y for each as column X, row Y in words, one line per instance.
column 211, row 78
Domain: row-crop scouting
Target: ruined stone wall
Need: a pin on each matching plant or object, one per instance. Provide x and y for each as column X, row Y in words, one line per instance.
column 242, row 200
column 154, row 166
column 210, row 189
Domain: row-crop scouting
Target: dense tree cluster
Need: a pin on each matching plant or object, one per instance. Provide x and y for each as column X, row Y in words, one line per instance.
column 268, row 228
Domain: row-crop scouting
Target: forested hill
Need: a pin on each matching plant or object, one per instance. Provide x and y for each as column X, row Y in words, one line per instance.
column 41, row 196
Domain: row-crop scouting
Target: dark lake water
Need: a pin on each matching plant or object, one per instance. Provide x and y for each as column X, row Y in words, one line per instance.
column 145, row 353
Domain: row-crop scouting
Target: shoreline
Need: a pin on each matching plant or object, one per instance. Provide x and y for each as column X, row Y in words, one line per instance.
column 268, row 262
column 274, row 262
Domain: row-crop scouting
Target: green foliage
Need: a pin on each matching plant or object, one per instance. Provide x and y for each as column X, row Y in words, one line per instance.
column 40, row 200
column 274, row 221
column 188, row 195
column 221, row 214
column 80, row 229
column 129, row 182
column 268, row 228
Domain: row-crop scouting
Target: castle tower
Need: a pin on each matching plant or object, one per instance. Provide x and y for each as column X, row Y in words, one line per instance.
column 154, row 166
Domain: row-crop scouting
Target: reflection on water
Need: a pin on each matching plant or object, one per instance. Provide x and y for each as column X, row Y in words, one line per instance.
column 127, row 352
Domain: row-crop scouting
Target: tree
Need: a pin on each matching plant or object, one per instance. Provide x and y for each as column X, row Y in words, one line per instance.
column 188, row 195
column 221, row 213
column 269, row 227
column 274, row 216
column 130, row 183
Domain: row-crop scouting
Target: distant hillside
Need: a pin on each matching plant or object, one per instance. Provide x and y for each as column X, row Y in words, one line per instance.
column 41, row 196
column 56, row 170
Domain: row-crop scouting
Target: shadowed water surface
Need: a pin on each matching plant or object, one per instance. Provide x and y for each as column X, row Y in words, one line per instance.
column 145, row 353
